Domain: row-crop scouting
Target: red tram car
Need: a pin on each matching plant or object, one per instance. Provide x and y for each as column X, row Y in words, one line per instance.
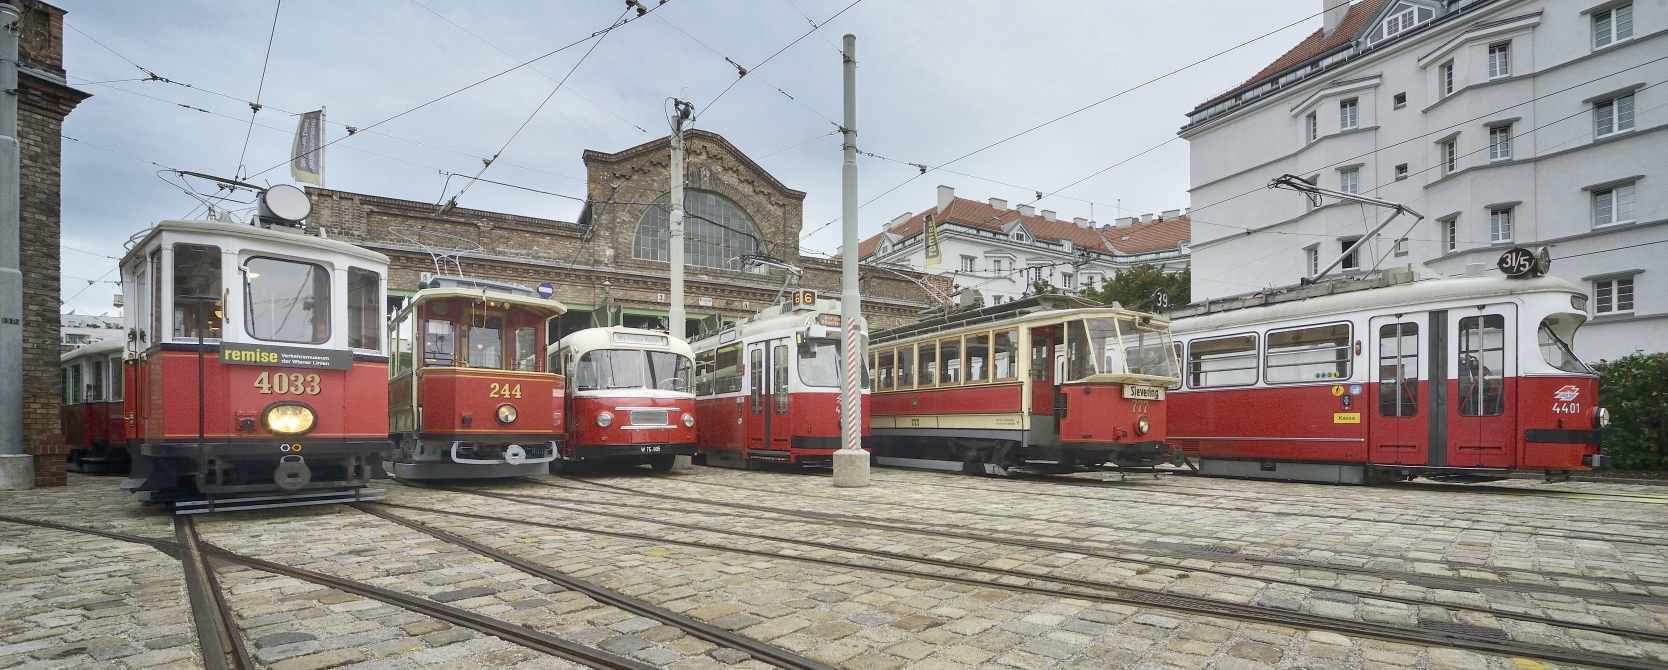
column 1048, row 384
column 477, row 400
column 768, row 387
column 629, row 399
column 1389, row 377
column 94, row 420
column 255, row 361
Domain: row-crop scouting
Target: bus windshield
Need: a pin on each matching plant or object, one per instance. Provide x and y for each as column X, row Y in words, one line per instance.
column 603, row 369
column 669, row 371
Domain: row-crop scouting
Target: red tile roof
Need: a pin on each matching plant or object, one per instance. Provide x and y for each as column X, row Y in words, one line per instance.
column 1314, row 45
column 1144, row 238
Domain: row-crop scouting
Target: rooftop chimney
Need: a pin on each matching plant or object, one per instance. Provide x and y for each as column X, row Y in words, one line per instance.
column 1081, row 222
column 898, row 221
column 1124, row 222
column 1026, row 210
column 946, row 195
column 1048, row 214
column 999, row 204
column 1335, row 11
column 1170, row 214
column 1146, row 218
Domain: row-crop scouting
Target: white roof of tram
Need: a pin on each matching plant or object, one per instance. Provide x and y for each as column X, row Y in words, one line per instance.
column 1342, row 297
column 620, row 337
column 105, row 347
column 279, row 236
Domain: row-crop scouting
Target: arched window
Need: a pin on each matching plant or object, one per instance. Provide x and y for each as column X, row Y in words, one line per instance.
column 716, row 231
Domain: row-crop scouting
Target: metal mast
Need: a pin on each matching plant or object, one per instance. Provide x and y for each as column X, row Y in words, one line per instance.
column 675, row 316
column 851, row 463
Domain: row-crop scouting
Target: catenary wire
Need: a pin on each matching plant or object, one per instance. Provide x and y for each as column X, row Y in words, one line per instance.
column 733, row 62
column 773, row 56
column 255, row 107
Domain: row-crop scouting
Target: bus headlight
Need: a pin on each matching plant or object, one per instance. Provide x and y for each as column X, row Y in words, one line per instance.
column 506, row 414
column 604, row 419
column 289, row 419
column 1143, row 424
column 1601, row 417
column 688, row 421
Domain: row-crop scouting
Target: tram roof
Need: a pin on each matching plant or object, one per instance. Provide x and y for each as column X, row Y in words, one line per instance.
column 604, row 337
column 275, row 235
column 106, row 346
column 1016, row 310
column 1340, row 297
column 776, row 317
column 481, row 294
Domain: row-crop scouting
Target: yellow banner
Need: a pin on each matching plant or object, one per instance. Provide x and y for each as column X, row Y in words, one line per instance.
column 934, row 254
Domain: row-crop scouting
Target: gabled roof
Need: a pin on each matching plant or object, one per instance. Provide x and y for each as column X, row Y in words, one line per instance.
column 1144, row 238
column 1354, row 23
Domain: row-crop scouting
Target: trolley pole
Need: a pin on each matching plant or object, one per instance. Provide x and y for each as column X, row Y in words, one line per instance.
column 851, row 463
column 675, row 315
column 17, row 469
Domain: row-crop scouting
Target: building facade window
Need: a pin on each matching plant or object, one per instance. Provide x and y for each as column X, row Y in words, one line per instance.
column 1349, row 181
column 1346, row 114
column 1445, row 81
column 1611, row 296
column 1613, row 205
column 1401, row 172
column 1311, row 131
column 995, row 265
column 1612, row 26
column 967, row 263
column 1500, row 61
column 1312, row 254
column 1353, row 260
column 716, row 231
column 1398, row 100
column 1613, row 116
column 1450, row 234
column 1067, row 280
column 1450, row 157
column 1500, row 143
column 1500, row 224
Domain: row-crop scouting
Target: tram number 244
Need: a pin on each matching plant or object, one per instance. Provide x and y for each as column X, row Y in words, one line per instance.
column 287, row 384
column 505, row 391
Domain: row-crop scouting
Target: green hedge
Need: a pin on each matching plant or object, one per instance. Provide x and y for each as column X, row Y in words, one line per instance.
column 1635, row 390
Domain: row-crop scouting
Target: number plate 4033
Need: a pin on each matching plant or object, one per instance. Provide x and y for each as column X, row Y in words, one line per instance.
column 287, row 383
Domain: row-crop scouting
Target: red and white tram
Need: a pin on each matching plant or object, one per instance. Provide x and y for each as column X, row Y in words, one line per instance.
column 1048, row 384
column 95, row 425
column 470, row 394
column 629, row 397
column 255, row 360
column 768, row 387
column 1389, row 377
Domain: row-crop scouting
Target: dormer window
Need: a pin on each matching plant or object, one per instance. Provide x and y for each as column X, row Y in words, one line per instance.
column 1018, row 236
column 1403, row 18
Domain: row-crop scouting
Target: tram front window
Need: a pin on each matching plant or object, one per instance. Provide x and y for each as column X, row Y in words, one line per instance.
column 1149, row 351
column 819, row 362
column 1554, row 337
column 669, row 371
column 287, row 301
column 486, row 343
column 603, row 369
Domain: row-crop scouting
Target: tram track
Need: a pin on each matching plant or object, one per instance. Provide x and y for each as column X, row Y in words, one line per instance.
column 1086, row 547
column 218, row 637
column 1205, row 552
column 188, row 544
column 1494, row 642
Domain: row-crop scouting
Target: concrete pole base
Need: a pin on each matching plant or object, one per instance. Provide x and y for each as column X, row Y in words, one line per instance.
column 683, row 462
column 851, row 468
column 17, row 472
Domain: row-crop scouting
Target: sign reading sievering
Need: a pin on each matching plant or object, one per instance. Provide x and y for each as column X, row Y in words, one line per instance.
column 288, row 357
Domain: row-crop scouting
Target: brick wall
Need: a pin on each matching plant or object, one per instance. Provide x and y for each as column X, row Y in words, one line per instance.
column 43, row 102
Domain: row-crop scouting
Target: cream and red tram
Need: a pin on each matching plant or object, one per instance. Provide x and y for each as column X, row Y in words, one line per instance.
column 1389, row 377
column 94, row 418
column 1048, row 384
column 469, row 392
column 768, row 387
column 629, row 397
column 255, row 361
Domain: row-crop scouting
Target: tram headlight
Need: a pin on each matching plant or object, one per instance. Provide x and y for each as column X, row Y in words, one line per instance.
column 506, row 414
column 1601, row 417
column 1143, row 424
column 605, row 419
column 289, row 419
column 689, row 421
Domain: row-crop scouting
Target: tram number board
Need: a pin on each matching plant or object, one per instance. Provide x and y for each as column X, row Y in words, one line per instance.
column 804, row 298
column 1517, row 262
column 1139, row 392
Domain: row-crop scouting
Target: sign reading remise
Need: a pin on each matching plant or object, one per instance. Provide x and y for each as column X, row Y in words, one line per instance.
column 289, row 357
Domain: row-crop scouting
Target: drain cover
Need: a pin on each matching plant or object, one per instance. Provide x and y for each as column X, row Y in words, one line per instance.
column 1464, row 629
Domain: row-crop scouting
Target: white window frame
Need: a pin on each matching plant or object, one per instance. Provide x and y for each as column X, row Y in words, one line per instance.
column 1607, row 295
column 1500, row 224
column 1450, row 156
column 1312, row 128
column 1393, row 26
column 1398, row 101
column 1353, row 261
column 1312, row 254
column 995, row 265
column 1445, row 79
column 1450, row 233
column 1066, row 279
column 1401, row 172
column 1348, row 111
column 1500, row 142
column 969, row 264
column 1499, row 60
column 1349, row 180
column 1612, row 198
column 1613, row 33
column 1615, row 109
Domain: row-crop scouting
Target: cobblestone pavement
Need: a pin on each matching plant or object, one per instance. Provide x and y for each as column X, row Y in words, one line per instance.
column 72, row 600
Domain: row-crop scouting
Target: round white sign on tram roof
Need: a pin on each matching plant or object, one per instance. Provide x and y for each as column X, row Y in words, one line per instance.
column 287, row 202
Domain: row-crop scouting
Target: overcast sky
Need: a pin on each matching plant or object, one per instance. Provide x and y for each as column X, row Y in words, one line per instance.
column 938, row 79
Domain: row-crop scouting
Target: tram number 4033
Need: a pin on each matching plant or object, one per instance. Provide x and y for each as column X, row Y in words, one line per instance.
column 287, row 384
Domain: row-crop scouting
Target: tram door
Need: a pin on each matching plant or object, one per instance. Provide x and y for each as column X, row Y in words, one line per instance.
column 768, row 370
column 1045, row 380
column 1481, row 368
column 1397, row 432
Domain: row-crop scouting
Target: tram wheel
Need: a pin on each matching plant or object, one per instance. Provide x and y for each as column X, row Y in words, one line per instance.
column 662, row 463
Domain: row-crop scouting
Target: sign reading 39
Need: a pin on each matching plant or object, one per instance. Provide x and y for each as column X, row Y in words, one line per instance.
column 293, row 383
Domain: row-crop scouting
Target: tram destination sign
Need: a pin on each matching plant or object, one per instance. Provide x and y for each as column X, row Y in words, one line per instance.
column 286, row 357
column 1517, row 262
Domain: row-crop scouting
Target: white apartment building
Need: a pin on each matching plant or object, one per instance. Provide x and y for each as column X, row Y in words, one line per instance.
column 1504, row 122
column 79, row 329
column 994, row 252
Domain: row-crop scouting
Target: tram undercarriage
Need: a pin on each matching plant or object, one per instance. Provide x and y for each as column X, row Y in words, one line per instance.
column 999, row 457
column 465, row 459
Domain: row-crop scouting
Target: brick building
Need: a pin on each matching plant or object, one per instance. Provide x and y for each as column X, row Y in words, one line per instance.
column 44, row 99
column 615, row 254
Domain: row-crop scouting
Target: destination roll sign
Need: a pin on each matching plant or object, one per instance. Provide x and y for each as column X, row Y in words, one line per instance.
column 1521, row 262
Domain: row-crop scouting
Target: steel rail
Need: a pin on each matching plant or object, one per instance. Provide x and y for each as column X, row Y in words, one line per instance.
column 509, row 632
column 848, row 520
column 217, row 631
column 1088, row 590
column 762, row 651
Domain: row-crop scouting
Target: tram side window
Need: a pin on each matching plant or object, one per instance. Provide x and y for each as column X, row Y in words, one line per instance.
column 779, row 376
column 400, row 343
column 95, row 380
column 949, row 357
column 116, row 379
column 755, row 364
column 906, row 367
column 364, row 309
column 1398, row 369
column 727, row 375
column 1148, row 350
column 1308, row 354
column 196, row 275
column 1080, row 357
column 1004, row 355
column 287, row 301
column 439, row 343
column 75, row 384
column 928, row 364
column 704, row 372
column 1482, row 365
column 527, row 349
column 1555, row 347
column 1222, row 361
column 883, row 370
column 978, row 357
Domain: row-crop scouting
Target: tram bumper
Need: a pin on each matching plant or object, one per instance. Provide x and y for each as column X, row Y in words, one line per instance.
column 633, row 451
column 257, row 466
column 1596, row 461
